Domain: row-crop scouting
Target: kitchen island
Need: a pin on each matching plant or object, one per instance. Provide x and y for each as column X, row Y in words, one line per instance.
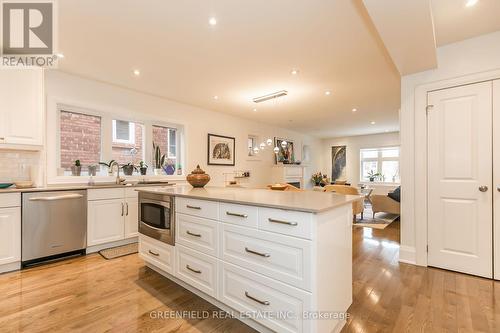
column 279, row 261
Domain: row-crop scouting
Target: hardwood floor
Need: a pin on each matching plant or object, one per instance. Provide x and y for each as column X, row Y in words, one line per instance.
column 91, row 294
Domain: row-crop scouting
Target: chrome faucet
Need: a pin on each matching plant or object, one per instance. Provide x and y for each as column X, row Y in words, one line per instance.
column 118, row 179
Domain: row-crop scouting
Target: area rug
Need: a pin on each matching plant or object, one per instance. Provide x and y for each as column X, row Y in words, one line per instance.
column 119, row 251
column 381, row 220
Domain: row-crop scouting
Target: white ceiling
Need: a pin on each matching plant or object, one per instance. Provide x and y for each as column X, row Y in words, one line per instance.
column 250, row 52
column 454, row 22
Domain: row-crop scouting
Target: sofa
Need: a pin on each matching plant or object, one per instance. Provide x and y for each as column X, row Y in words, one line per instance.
column 383, row 203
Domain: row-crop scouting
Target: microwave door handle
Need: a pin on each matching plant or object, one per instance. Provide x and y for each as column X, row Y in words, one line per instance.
column 149, row 226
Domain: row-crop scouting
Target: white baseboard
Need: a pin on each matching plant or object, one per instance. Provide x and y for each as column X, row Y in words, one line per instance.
column 96, row 248
column 14, row 266
column 407, row 254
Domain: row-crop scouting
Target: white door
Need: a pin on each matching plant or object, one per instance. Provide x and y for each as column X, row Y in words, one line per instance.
column 496, row 177
column 131, row 217
column 460, row 179
column 10, row 235
column 106, row 221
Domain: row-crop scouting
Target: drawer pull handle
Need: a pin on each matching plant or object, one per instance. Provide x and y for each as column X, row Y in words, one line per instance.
column 256, row 299
column 192, row 234
column 153, row 253
column 193, row 270
column 294, row 224
column 193, row 207
column 265, row 255
column 237, row 215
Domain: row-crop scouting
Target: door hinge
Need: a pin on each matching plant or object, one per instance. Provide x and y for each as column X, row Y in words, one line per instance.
column 428, row 109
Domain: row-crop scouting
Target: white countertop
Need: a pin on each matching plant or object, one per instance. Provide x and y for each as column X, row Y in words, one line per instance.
column 304, row 201
column 74, row 187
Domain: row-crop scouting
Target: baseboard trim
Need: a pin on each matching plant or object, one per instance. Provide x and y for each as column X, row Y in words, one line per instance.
column 407, row 255
column 96, row 248
column 14, row 266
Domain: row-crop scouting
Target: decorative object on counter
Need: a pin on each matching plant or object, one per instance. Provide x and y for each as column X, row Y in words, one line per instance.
column 221, row 150
column 24, row 184
column 284, row 151
column 179, row 169
column 143, row 168
column 278, row 187
column 109, row 166
column 128, row 169
column 76, row 170
column 372, row 175
column 158, row 159
column 339, row 162
column 235, row 177
column 5, row 185
column 169, row 167
column 92, row 170
column 319, row 179
column 198, row 177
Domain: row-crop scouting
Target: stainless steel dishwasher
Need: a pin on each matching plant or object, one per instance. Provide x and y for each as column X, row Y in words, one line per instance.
column 54, row 225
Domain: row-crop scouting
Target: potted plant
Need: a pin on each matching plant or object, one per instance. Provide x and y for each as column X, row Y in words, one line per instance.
column 128, row 169
column 317, row 178
column 143, row 168
column 372, row 175
column 92, row 169
column 159, row 159
column 108, row 165
column 76, row 169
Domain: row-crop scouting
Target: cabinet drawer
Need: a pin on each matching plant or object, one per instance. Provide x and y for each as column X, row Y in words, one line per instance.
column 10, row 200
column 131, row 193
column 280, row 257
column 297, row 224
column 201, row 208
column 245, row 216
column 197, row 269
column 105, row 193
column 157, row 253
column 250, row 292
column 197, row 233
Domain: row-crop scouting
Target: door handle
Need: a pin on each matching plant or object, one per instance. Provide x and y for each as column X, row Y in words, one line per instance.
column 127, row 209
column 122, row 208
column 483, row 188
column 265, row 255
column 498, row 188
column 294, row 224
column 256, row 299
column 237, row 214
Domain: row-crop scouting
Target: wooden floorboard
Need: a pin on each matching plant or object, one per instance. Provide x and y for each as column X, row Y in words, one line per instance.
column 91, row 294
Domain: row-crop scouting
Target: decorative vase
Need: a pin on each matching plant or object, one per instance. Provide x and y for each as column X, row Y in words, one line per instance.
column 92, row 170
column 169, row 169
column 158, row 172
column 198, row 177
column 76, row 170
column 143, row 170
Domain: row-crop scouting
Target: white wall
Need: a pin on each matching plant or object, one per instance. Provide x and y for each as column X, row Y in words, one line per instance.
column 464, row 62
column 198, row 123
column 354, row 144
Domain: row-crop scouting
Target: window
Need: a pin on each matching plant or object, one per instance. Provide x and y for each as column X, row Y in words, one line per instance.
column 128, row 142
column 167, row 139
column 80, row 139
column 123, row 132
column 383, row 162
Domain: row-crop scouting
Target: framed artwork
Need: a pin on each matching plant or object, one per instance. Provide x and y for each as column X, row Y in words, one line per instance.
column 285, row 154
column 221, row 150
column 339, row 163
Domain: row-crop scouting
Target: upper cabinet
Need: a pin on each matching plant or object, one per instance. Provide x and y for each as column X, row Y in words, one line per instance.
column 21, row 108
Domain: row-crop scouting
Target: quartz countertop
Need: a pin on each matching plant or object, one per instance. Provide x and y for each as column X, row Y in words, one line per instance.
column 303, row 201
column 75, row 187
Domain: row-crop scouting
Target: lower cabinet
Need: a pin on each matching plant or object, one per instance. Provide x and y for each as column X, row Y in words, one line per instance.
column 131, row 217
column 10, row 235
column 159, row 254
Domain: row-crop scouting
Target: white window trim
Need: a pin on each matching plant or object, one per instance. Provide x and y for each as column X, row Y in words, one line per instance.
column 379, row 161
column 131, row 131
column 107, row 114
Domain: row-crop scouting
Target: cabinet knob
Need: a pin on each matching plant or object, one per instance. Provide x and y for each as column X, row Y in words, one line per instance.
column 483, row 188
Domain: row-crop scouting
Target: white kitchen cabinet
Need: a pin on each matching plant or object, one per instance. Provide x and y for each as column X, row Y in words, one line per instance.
column 10, row 231
column 21, row 106
column 105, row 221
column 131, row 217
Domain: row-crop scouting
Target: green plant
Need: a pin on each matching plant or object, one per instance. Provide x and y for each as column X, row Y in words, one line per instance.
column 107, row 164
column 128, row 165
column 159, row 159
column 77, row 163
column 317, row 178
column 142, row 164
column 372, row 175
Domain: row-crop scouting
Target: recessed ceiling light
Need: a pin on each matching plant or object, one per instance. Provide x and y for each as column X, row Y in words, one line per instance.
column 212, row 21
column 373, row 123
column 328, row 93
column 386, row 131
column 137, row 72
column 216, row 97
column 354, row 110
column 60, row 55
column 471, row 3
column 254, row 110
column 294, row 71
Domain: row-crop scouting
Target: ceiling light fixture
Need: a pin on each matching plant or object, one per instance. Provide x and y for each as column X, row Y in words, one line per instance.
column 254, row 110
column 274, row 95
column 328, row 93
column 471, row 3
column 373, row 123
column 216, row 97
column 294, row 71
column 212, row 21
column 137, row 72
column 354, row 110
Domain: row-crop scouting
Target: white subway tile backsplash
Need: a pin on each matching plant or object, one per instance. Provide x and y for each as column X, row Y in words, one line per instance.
column 17, row 165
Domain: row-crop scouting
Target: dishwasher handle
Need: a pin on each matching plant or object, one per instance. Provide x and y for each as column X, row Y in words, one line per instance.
column 57, row 197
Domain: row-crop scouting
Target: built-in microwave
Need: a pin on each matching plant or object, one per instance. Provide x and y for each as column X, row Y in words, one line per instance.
column 157, row 216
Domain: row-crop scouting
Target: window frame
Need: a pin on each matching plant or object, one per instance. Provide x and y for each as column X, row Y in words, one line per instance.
column 131, row 132
column 53, row 160
column 379, row 159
